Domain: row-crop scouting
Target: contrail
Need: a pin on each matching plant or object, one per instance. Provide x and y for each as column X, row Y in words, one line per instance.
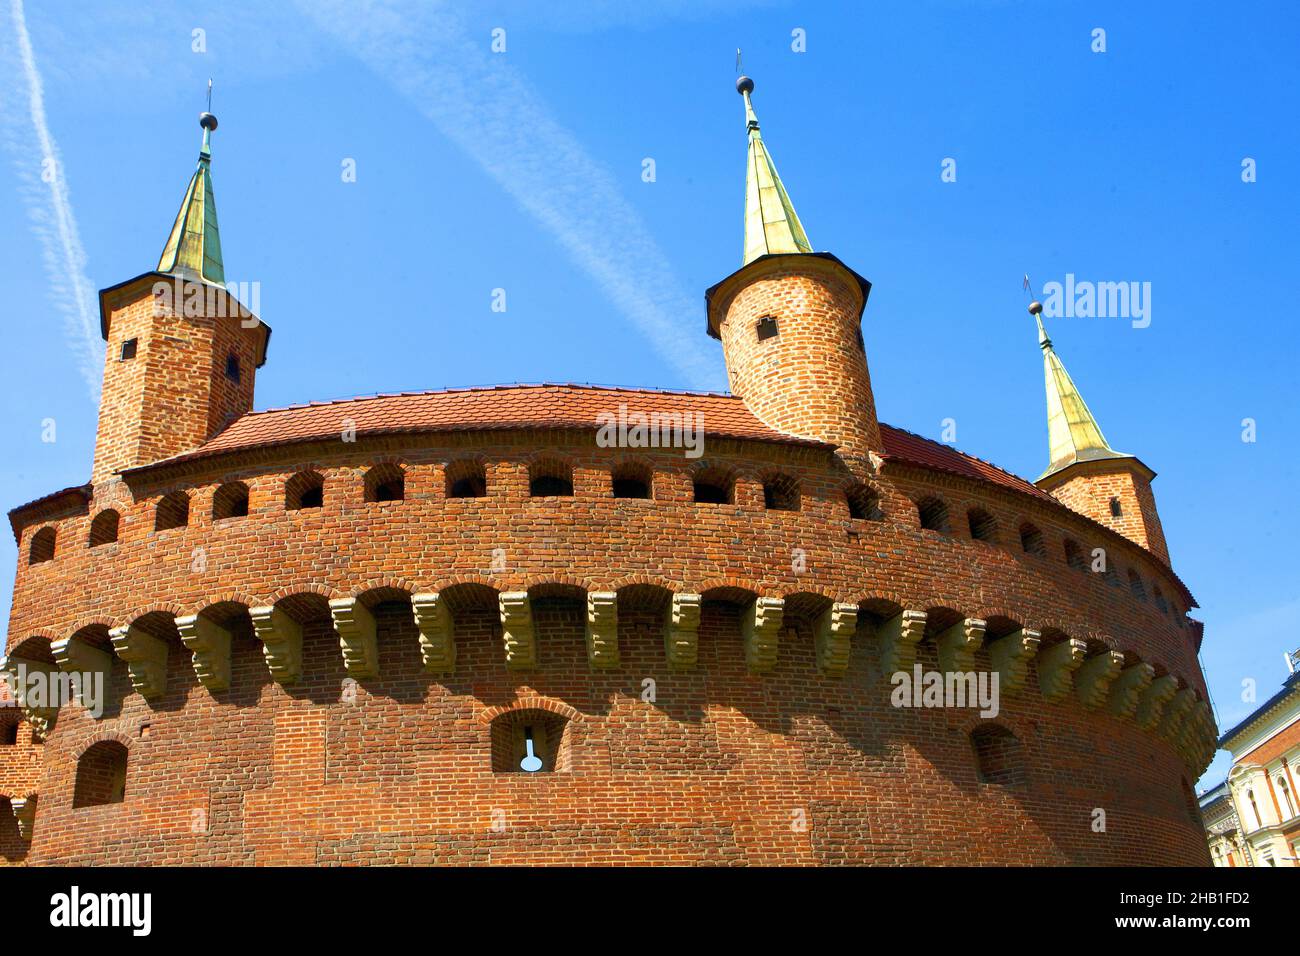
column 56, row 226
column 487, row 109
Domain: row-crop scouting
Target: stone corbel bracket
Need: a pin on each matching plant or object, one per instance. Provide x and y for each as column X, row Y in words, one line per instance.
column 437, row 632
column 1175, row 714
column 682, row 631
column 1010, row 656
column 281, row 638
column 75, row 656
column 1128, row 689
column 517, row 630
column 834, row 632
column 209, row 646
column 358, row 637
column 761, row 629
column 146, row 659
column 898, row 639
column 25, row 813
column 40, row 717
column 602, row 629
column 958, row 644
column 1151, row 704
column 1056, row 666
column 1093, row 679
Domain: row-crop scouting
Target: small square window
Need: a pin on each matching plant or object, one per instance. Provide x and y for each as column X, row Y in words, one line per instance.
column 129, row 349
column 766, row 328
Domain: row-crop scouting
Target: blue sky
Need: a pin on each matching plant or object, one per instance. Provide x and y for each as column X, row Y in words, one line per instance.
column 522, row 170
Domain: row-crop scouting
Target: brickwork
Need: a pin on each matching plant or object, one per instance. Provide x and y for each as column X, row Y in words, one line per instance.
column 714, row 770
column 174, row 393
column 810, row 378
column 1088, row 488
column 347, row 670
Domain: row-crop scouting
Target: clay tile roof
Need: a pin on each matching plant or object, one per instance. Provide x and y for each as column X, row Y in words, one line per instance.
column 904, row 446
column 476, row 409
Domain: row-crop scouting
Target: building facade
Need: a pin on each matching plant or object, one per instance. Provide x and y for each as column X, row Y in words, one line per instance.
column 1261, row 786
column 565, row 624
column 1223, row 828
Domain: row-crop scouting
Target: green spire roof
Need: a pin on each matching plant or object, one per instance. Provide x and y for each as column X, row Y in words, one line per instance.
column 1072, row 432
column 771, row 224
column 193, row 249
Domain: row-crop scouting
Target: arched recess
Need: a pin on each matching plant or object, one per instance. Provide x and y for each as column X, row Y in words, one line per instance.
column 101, row 774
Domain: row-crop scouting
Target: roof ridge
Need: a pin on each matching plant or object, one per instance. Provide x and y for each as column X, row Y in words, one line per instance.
column 505, row 386
column 954, row 448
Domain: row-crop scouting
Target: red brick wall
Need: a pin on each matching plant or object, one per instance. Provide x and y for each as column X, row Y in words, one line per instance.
column 717, row 769
column 1090, row 490
column 174, row 394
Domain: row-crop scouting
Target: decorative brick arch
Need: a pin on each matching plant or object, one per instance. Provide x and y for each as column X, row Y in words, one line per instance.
column 877, row 598
column 493, row 582
column 536, row 702
column 301, row 590
column 162, row 607
column 1020, row 727
column 218, row 598
column 88, row 621
column 34, row 647
column 559, row 580
column 375, row 590
column 989, row 612
column 643, row 580
column 734, row 583
column 98, row 737
column 806, row 602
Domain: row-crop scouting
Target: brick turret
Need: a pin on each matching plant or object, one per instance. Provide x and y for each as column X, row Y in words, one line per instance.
column 790, row 320
column 182, row 350
column 1085, row 473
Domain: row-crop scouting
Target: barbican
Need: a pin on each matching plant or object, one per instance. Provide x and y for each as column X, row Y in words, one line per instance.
column 416, row 627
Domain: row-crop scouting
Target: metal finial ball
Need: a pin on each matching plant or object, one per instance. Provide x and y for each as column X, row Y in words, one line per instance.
column 744, row 85
column 1035, row 307
column 207, row 121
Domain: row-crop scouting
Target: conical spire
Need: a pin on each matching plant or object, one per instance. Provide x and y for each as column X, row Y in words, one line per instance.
column 1072, row 432
column 771, row 224
column 193, row 249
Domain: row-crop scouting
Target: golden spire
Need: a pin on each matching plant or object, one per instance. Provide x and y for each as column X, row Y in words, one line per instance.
column 771, row 224
column 193, row 249
column 1072, row 432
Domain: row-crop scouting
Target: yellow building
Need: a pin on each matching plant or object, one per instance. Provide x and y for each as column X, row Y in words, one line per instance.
column 1261, row 786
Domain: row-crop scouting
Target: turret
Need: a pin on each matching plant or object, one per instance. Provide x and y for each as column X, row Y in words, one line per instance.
column 1084, row 473
column 182, row 351
column 790, row 319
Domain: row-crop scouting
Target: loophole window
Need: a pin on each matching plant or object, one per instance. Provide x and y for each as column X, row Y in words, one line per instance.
column 530, row 741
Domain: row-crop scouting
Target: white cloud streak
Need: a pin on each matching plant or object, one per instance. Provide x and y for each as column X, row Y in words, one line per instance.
column 483, row 105
column 53, row 220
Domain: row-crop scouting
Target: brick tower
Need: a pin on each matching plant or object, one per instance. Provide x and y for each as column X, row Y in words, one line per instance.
column 182, row 351
column 790, row 320
column 1085, row 473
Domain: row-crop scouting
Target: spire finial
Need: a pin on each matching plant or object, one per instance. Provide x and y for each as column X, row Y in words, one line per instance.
column 209, row 123
column 193, row 249
column 771, row 224
column 1036, row 310
column 1073, row 434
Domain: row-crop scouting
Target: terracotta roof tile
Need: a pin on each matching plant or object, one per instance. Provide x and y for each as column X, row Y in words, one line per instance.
column 907, row 447
column 476, row 409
